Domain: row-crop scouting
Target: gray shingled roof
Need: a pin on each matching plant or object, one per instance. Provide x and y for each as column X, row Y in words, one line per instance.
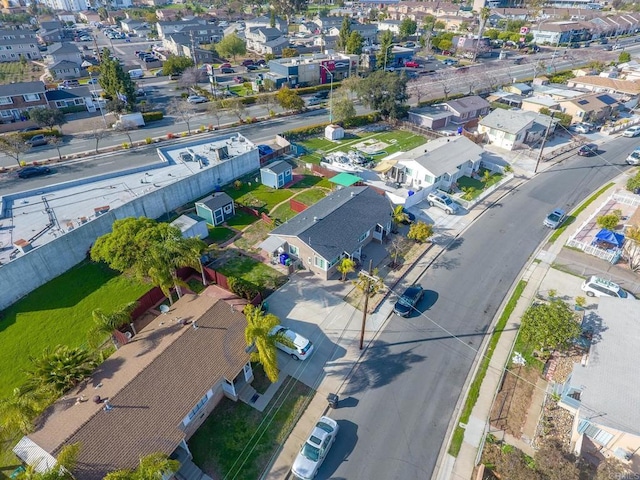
column 62, row 48
column 444, row 155
column 277, row 167
column 21, row 88
column 468, row 104
column 609, row 382
column 510, row 121
column 334, row 224
column 216, row 201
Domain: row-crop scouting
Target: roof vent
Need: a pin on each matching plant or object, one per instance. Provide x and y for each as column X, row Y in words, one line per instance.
column 353, row 194
column 315, row 219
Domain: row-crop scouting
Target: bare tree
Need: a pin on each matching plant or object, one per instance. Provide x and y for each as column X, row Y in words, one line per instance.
column 57, row 142
column 13, row 145
column 416, row 89
column 444, row 78
column 98, row 132
column 191, row 77
column 216, row 109
column 235, row 106
column 182, row 110
column 268, row 102
column 126, row 127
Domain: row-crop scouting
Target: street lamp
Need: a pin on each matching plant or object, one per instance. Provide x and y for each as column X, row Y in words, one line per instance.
column 330, row 92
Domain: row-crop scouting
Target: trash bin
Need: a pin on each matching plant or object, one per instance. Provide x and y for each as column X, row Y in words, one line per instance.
column 332, row 398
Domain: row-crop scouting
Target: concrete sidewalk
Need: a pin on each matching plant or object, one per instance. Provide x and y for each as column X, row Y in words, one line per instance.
column 535, row 273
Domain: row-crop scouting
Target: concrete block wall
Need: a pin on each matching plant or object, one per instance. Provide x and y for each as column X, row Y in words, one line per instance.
column 46, row 262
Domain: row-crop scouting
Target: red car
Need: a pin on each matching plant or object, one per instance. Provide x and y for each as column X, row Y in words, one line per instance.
column 225, row 65
column 412, row 64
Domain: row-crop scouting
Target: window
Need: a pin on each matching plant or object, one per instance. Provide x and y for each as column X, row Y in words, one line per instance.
column 198, row 407
column 293, row 250
column 6, row 100
column 8, row 47
column 319, row 262
column 363, row 236
column 409, row 172
column 31, row 97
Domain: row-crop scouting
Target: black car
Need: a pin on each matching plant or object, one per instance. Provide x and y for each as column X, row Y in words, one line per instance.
column 587, row 150
column 407, row 302
column 252, row 67
column 262, row 61
column 323, row 94
column 227, row 70
column 28, row 172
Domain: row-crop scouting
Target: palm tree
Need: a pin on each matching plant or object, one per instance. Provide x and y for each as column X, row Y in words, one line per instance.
column 62, row 470
column 398, row 216
column 17, row 413
column 485, row 13
column 58, row 369
column 154, row 466
column 486, row 177
column 107, row 324
column 258, row 333
column 347, row 265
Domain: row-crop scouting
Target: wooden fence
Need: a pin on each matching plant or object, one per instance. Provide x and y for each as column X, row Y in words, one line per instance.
column 297, row 206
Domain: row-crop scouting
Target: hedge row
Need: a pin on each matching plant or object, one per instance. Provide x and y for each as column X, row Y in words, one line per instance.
column 152, row 116
column 74, row 109
column 242, row 288
column 357, row 121
column 43, row 131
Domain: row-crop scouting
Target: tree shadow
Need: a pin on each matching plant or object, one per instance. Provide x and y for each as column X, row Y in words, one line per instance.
column 446, row 262
column 593, row 327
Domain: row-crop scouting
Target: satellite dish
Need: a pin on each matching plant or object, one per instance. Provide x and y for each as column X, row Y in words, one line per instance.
column 164, row 309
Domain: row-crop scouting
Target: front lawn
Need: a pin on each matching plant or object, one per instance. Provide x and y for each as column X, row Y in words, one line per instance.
column 59, row 312
column 474, row 186
column 237, row 441
column 237, row 265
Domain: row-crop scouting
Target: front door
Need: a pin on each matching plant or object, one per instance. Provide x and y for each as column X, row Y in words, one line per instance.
column 218, row 217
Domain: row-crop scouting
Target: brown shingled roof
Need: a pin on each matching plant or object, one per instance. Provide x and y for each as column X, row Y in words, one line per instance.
column 621, row 86
column 152, row 383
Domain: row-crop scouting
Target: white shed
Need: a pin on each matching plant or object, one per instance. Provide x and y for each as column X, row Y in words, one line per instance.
column 191, row 226
column 333, row 132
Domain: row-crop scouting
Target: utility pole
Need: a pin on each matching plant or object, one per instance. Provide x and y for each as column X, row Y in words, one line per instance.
column 544, row 140
column 367, row 278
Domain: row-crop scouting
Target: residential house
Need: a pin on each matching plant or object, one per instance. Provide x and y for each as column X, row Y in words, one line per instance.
column 265, row 40
column 66, row 17
column 600, row 391
column 70, row 5
column 51, row 35
column 438, row 164
column 369, row 31
column 169, row 27
column 432, row 117
column 72, row 99
column 556, row 91
column 590, row 108
column 129, row 25
column 151, row 395
column 265, row 22
column 535, row 104
column 466, row 109
column 391, row 25
column 326, row 23
column 276, row 174
column 167, row 14
column 63, row 51
column 15, row 43
column 338, row 226
column 216, row 208
column 554, row 33
column 309, row 27
column 15, row 98
column 606, row 85
column 65, row 70
column 512, row 129
column 191, row 226
column 180, row 44
column 521, row 89
column 89, row 16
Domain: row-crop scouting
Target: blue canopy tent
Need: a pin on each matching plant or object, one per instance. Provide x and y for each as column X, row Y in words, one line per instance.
column 608, row 239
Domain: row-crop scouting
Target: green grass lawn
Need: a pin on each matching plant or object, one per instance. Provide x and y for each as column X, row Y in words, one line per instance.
column 14, row 72
column 311, row 196
column 220, row 234
column 283, row 213
column 241, row 220
column 259, row 196
column 242, row 90
column 397, row 140
column 309, row 180
column 250, row 270
column 476, row 184
column 237, row 441
column 59, row 312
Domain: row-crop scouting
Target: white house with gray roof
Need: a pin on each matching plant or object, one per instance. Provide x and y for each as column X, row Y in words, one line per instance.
column 338, row 226
column 512, row 129
column 602, row 391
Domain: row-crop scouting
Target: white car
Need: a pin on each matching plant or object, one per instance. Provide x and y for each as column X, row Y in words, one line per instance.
column 581, row 128
column 632, row 131
column 634, row 157
column 443, row 201
column 196, row 99
column 302, row 347
column 599, row 287
column 315, row 449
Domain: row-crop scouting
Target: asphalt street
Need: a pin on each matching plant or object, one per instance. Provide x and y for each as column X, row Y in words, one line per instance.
column 406, row 387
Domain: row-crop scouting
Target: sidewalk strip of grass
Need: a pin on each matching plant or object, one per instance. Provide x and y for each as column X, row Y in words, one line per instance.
column 572, row 217
column 474, row 388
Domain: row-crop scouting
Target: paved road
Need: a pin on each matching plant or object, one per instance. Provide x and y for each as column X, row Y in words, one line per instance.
column 408, row 383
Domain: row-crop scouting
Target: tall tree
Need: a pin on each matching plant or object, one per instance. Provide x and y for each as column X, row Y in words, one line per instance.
column 342, row 107
column 107, row 323
column 384, row 55
column 346, row 266
column 289, row 99
column 175, row 65
column 115, row 82
column 343, row 35
column 258, row 333
column 407, row 28
column 18, row 411
column 355, row 43
column 58, row 369
column 12, row 145
column 182, row 110
column 231, row 46
column 288, row 8
column 154, row 466
column 385, row 92
column 47, row 117
column 485, row 13
column 549, row 326
column 235, row 106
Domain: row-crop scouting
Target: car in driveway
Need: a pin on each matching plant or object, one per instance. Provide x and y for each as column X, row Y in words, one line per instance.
column 580, row 128
column 588, row 149
column 246, row 63
column 196, row 99
column 555, row 218
column 315, row 449
column 632, row 131
column 292, row 343
column 599, row 287
column 37, row 141
column 28, row 172
column 409, row 217
column 443, row 201
column 408, row 300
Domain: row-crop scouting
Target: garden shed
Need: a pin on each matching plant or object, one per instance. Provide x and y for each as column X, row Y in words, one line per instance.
column 276, row 174
column 216, row 209
column 334, row 132
column 191, row 226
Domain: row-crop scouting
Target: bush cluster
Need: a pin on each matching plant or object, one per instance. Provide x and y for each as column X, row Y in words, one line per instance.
column 152, row 116
column 44, row 131
column 242, row 288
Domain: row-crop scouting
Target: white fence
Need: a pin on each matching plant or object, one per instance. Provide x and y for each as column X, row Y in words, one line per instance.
column 621, row 126
column 607, row 255
column 622, row 197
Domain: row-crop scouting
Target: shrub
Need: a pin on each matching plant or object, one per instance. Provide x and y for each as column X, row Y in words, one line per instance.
column 148, row 140
column 242, row 288
column 360, row 120
column 609, row 221
column 304, row 132
column 249, row 100
column 126, row 145
column 633, row 182
column 74, row 109
column 45, row 131
column 170, row 136
column 152, row 116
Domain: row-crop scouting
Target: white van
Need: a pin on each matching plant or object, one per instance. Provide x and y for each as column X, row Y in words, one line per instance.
column 136, row 73
column 599, row 287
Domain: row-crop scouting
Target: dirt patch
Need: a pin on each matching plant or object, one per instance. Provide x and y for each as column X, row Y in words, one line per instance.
column 509, row 411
